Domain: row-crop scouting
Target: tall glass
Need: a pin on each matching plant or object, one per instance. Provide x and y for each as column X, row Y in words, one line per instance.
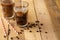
column 7, row 7
column 21, row 11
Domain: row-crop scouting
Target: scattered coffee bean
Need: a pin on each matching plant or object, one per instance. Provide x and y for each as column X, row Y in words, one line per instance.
column 19, row 32
column 8, row 33
column 30, row 31
column 9, row 30
column 46, row 32
column 28, row 23
column 37, row 21
column 30, row 26
column 11, row 38
column 40, row 31
column 41, row 24
column 17, row 37
column 37, row 31
column 22, row 30
column 4, row 36
column 39, row 27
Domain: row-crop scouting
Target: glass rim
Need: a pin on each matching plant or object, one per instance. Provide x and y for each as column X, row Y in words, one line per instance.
column 26, row 3
column 20, row 7
column 23, row 4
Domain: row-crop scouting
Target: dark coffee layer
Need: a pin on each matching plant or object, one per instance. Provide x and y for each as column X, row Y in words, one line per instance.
column 7, row 9
column 21, row 20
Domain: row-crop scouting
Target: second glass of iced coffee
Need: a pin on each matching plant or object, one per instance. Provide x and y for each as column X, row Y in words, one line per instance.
column 21, row 11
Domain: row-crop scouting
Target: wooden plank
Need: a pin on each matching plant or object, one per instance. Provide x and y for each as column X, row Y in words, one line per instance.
column 54, row 12
column 32, row 16
column 58, row 3
column 44, row 17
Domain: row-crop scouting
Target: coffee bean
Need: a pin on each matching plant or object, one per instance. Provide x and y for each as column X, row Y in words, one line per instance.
column 39, row 27
column 19, row 32
column 28, row 23
column 30, row 31
column 40, row 31
column 41, row 24
column 37, row 31
column 4, row 36
column 30, row 26
column 37, row 21
column 17, row 37
column 9, row 30
column 46, row 32
column 22, row 30
column 11, row 38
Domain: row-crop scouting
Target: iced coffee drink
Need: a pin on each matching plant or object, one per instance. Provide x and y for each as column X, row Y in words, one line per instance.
column 7, row 7
column 21, row 18
column 21, row 13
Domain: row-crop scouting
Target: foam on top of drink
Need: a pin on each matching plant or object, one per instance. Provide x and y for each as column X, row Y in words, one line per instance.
column 21, row 9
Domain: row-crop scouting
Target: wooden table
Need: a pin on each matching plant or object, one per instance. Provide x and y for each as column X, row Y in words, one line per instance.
column 46, row 32
column 54, row 11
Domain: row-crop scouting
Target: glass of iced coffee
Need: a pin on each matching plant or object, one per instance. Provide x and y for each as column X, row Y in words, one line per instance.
column 21, row 12
column 7, row 7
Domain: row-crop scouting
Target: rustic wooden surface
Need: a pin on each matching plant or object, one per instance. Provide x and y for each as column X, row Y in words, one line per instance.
column 48, row 31
column 54, row 11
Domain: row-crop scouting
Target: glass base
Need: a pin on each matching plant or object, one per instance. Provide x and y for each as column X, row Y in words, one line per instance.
column 9, row 18
column 22, row 26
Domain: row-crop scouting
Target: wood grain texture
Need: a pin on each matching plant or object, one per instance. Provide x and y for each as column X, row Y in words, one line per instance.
column 47, row 31
column 54, row 11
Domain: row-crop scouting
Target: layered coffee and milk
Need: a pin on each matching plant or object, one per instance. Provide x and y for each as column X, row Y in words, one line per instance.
column 7, row 7
column 21, row 15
